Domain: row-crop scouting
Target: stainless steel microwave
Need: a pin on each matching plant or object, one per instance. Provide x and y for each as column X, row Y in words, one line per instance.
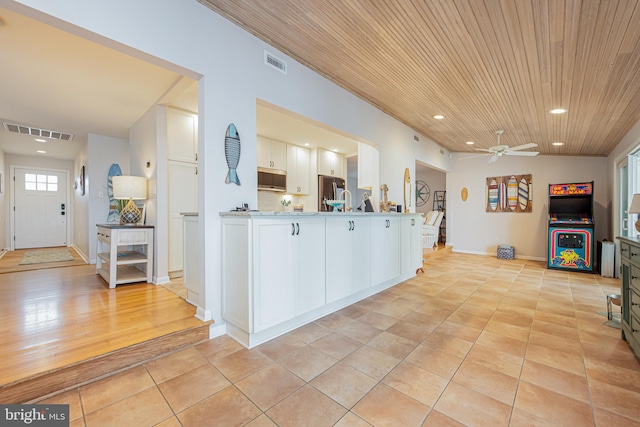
column 272, row 180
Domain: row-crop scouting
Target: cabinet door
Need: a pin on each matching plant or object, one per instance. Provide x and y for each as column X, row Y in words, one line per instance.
column 297, row 170
column 368, row 160
column 263, row 152
column 279, row 155
column 309, row 251
column 361, row 254
column 339, row 258
column 385, row 245
column 182, row 136
column 273, row 273
column 271, row 154
column 183, row 197
column 330, row 164
column 410, row 247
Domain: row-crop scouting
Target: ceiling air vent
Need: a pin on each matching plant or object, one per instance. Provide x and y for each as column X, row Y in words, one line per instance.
column 41, row 133
column 415, row 138
column 275, row 62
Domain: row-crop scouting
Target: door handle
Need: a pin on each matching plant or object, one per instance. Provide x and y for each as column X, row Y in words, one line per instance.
column 293, row 229
column 297, row 229
column 353, row 227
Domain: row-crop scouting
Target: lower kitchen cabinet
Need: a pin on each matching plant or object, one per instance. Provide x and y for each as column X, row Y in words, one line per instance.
column 283, row 270
column 348, row 260
column 289, row 275
column 630, row 275
column 385, row 248
column 411, row 244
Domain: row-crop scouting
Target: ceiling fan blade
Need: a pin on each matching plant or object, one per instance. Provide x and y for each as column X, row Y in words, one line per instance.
column 521, row 153
column 523, row 146
column 484, row 149
column 493, row 158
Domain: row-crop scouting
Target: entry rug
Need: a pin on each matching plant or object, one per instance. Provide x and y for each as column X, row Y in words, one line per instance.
column 46, row 255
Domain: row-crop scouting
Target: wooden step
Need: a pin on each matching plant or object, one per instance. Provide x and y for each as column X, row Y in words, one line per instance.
column 51, row 382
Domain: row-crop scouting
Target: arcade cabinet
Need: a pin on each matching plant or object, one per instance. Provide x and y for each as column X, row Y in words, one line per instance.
column 571, row 227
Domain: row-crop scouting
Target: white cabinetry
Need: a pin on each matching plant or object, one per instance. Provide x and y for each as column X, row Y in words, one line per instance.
column 297, row 170
column 330, row 163
column 410, row 244
column 385, row 248
column 368, row 164
column 271, row 154
column 348, row 259
column 124, row 253
column 191, row 277
column 182, row 136
column 281, row 271
column 182, row 154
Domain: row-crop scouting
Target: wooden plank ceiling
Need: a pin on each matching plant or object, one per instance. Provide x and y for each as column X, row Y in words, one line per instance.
column 484, row 64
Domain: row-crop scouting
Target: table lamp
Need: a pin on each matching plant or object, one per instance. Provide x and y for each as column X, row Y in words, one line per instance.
column 132, row 188
column 635, row 209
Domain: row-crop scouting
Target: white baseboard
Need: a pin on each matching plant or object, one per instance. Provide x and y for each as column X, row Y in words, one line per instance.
column 84, row 256
column 527, row 257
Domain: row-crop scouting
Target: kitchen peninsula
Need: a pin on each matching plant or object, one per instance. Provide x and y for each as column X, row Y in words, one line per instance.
column 281, row 270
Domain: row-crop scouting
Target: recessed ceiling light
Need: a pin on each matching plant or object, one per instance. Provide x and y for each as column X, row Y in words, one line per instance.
column 557, row 143
column 40, row 140
column 41, row 152
column 558, row 111
column 470, row 143
column 438, row 117
column 306, row 144
column 335, row 150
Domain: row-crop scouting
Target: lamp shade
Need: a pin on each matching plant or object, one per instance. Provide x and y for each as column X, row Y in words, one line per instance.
column 129, row 187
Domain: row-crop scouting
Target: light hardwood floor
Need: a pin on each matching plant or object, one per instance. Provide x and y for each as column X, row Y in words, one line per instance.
column 60, row 317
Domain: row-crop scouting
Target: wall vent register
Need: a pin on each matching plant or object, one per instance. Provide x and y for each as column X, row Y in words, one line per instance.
column 43, row 133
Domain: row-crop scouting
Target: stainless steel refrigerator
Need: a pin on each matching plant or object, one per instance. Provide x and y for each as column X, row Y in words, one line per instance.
column 329, row 188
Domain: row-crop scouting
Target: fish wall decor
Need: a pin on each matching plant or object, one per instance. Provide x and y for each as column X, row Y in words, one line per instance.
column 232, row 153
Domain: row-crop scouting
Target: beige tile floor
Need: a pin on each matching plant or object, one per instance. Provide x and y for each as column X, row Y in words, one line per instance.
column 474, row 341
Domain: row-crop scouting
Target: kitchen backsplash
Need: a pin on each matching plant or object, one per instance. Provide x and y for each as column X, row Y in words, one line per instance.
column 269, row 201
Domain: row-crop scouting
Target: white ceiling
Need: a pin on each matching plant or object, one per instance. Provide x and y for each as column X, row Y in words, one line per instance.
column 57, row 81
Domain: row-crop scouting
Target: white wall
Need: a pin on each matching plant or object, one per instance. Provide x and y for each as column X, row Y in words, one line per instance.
column 102, row 152
column 81, row 228
column 471, row 229
column 4, row 205
column 148, row 142
column 198, row 40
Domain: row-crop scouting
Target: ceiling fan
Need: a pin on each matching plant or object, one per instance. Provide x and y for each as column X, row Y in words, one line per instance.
column 504, row 150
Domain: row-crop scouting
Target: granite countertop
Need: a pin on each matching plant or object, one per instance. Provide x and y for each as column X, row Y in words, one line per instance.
column 328, row 214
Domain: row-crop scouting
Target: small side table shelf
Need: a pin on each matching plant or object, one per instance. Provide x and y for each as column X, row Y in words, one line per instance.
column 131, row 246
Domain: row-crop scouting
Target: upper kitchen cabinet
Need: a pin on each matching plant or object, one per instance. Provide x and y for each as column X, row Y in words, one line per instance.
column 182, row 136
column 297, row 170
column 271, row 154
column 330, row 164
column 368, row 161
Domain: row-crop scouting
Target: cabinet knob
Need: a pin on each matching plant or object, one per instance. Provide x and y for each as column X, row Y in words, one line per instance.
column 633, row 303
column 622, row 249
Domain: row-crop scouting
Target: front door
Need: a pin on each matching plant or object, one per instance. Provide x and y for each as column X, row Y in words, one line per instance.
column 40, row 208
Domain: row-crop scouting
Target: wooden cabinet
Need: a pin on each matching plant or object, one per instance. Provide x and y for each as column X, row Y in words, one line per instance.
column 297, row 170
column 330, row 163
column 385, row 248
column 271, row 154
column 410, row 244
column 182, row 135
column 124, row 253
column 348, row 256
column 630, row 268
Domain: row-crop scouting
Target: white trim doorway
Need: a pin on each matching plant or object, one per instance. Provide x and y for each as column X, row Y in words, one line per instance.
column 66, row 198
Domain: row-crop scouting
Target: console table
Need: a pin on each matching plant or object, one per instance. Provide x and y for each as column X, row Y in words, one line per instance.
column 124, row 253
column 630, row 274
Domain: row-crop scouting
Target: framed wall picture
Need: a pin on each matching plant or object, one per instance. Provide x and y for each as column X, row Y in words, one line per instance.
column 82, row 186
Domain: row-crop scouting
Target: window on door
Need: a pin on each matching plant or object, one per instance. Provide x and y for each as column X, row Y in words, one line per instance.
column 38, row 182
